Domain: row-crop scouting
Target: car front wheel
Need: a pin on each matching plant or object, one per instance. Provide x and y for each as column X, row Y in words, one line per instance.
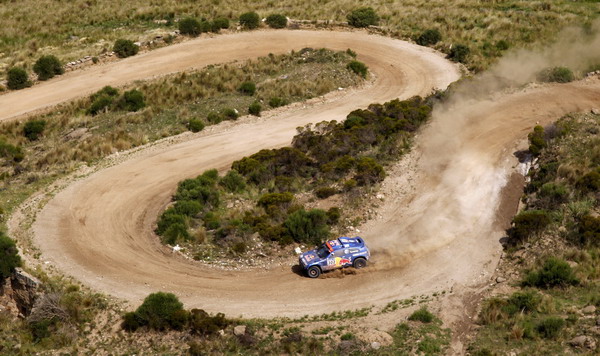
column 360, row 263
column 314, row 272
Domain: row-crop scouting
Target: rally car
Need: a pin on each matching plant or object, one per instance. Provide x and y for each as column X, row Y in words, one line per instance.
column 333, row 254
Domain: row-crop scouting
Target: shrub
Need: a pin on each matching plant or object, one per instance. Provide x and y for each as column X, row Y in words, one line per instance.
column 9, row 256
column 196, row 125
column 201, row 323
column 247, row 88
column 459, row 53
column 590, row 182
column 230, row 114
column 249, row 20
column 276, row 102
column 17, row 78
column 429, row 37
column 168, row 218
column 528, row 223
column 369, row 171
column 131, row 322
column 47, row 67
column 190, row 26
column 363, row 17
column 106, row 91
column 557, row 75
column 589, row 230
column 333, row 215
column 307, row 226
column 554, row 273
column 8, row 151
column 502, row 45
column 101, row 103
column 214, row 118
column 187, row 207
column 125, row 48
column 423, row 315
column 175, row 233
column 211, row 221
column 358, row 68
column 161, row 311
column 33, row 129
column 276, row 21
column 255, row 108
column 553, row 193
column 549, row 328
column 220, row 23
column 275, row 199
column 233, row 182
column 325, row 192
column 132, row 100
column 537, row 142
column 523, row 302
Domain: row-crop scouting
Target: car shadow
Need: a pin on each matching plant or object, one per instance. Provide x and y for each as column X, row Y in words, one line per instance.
column 297, row 269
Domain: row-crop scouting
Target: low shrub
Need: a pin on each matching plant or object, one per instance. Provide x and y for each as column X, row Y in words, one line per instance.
column 307, row 226
column 11, row 152
column 247, row 88
column 363, row 17
column 100, row 104
column 255, row 109
column 552, row 194
column 368, row 171
column 33, row 129
column 549, row 328
column 168, row 218
column 187, row 207
column 201, row 323
column 125, row 48
column 423, row 315
column 554, row 273
column 276, row 21
column 190, row 26
column 325, row 192
column 537, row 142
column 159, row 311
column 249, row 20
column 219, row 23
column 429, row 37
column 523, row 302
column 9, row 256
column 556, row 75
column 358, row 68
column 276, row 102
column 175, row 233
column 132, row 100
column 589, row 231
column 196, row 125
column 459, row 53
column 230, row 114
column 590, row 182
column 333, row 215
column 17, row 78
column 47, row 67
column 233, row 182
column 528, row 223
column 214, row 118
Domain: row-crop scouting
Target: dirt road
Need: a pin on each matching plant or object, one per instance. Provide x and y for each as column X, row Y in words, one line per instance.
column 440, row 235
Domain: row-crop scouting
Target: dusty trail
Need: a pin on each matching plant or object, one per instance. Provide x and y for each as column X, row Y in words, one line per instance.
column 99, row 229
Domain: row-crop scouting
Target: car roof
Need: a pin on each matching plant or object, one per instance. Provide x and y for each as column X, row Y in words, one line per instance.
column 344, row 242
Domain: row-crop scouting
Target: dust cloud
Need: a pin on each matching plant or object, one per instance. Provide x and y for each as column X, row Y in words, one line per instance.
column 461, row 172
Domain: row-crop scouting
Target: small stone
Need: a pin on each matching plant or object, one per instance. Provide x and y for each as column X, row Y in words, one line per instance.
column 375, row 345
column 572, row 264
column 596, row 111
column 222, row 332
column 500, row 279
column 239, row 330
column 590, row 309
column 583, row 341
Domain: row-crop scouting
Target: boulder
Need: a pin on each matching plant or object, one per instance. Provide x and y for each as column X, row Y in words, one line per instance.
column 583, row 341
column 590, row 309
column 375, row 345
column 239, row 330
column 500, row 279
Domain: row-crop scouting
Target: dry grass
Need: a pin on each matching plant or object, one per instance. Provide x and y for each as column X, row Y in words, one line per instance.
column 77, row 28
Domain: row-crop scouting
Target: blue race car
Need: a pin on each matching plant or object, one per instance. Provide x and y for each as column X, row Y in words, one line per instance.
column 333, row 254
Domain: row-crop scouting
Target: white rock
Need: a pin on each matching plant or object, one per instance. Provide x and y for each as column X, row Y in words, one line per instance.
column 375, row 345
column 239, row 330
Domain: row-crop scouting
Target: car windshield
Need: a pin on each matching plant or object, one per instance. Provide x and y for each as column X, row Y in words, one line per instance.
column 323, row 251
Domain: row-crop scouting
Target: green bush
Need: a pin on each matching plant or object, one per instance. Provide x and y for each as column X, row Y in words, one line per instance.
column 168, row 218
column 131, row 322
column 106, row 91
column 459, row 53
column 528, row 223
column 190, row 26
column 275, row 199
column 363, row 17
column 219, row 23
column 100, row 104
column 196, row 125
column 9, row 256
column 11, row 152
column 333, row 215
column 175, row 233
column 255, row 108
column 125, row 48
column 233, row 182
column 537, row 142
column 554, row 273
column 47, row 67
column 276, row 102
column 429, row 37
column 325, row 192
column 276, row 21
column 187, row 207
column 358, row 68
column 589, row 231
column 132, row 100
column 17, row 78
column 249, row 20
column 201, row 323
column 33, row 129
column 161, row 311
column 230, row 114
column 423, row 315
column 502, row 45
column 590, row 182
column 214, row 118
column 552, row 194
column 247, row 88
column 211, row 221
column 368, row 171
column 549, row 328
column 556, row 75
column 307, row 226
column 522, row 302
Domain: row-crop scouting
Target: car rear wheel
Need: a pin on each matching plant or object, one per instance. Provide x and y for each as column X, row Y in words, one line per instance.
column 360, row 263
column 314, row 272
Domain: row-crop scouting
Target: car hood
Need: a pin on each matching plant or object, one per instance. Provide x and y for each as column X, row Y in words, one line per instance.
column 309, row 257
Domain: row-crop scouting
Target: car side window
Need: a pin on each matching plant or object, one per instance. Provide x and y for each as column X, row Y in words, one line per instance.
column 338, row 253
